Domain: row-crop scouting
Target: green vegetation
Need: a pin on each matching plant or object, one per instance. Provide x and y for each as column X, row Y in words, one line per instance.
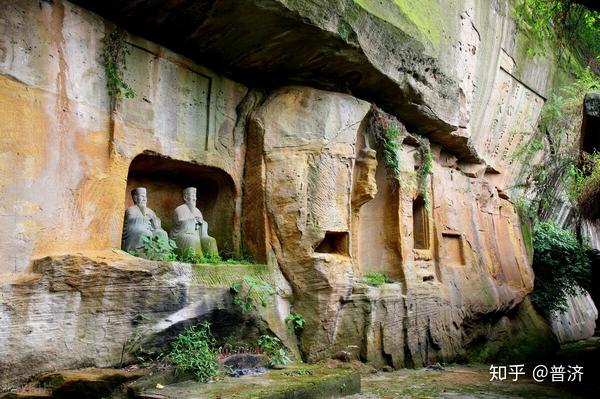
column 165, row 250
column 558, row 129
column 420, row 18
column 273, row 348
column 156, row 248
column 425, row 169
column 193, row 351
column 390, row 134
column 376, row 279
column 250, row 292
column 561, row 267
column 584, row 181
column 295, row 322
column 391, row 147
column 564, row 22
column 113, row 59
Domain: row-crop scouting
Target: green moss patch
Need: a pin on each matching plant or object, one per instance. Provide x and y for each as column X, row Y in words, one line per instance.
column 419, row 18
column 224, row 276
column 297, row 381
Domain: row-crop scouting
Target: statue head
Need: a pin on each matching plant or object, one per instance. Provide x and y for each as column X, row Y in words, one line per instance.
column 189, row 196
column 139, row 196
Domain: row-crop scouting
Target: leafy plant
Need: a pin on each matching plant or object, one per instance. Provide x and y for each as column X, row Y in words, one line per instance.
column 565, row 22
column 273, row 348
column 387, row 131
column 113, row 59
column 425, row 169
column 193, row 351
column 189, row 256
column 561, row 267
column 584, row 183
column 250, row 292
column 376, row 279
column 156, row 248
column 295, row 322
column 545, row 183
column 390, row 134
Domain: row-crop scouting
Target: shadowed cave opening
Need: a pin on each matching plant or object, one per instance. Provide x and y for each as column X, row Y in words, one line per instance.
column 165, row 178
column 420, row 224
column 334, row 242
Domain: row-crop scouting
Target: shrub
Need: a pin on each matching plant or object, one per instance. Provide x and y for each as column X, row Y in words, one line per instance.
column 295, row 322
column 273, row 348
column 250, row 292
column 156, row 248
column 376, row 279
column 193, row 351
column 584, row 184
column 113, row 58
column 561, row 267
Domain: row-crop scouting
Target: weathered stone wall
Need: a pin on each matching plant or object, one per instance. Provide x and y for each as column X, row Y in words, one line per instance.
column 464, row 271
column 304, row 190
column 65, row 156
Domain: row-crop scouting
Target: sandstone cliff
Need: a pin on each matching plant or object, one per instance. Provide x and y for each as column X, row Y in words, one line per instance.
column 288, row 168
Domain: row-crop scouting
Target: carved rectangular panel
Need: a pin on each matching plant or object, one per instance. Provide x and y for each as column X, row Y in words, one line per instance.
column 453, row 249
column 172, row 100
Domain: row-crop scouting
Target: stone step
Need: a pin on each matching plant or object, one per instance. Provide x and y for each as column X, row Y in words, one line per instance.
column 89, row 383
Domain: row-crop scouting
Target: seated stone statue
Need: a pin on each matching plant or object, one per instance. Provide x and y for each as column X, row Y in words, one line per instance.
column 190, row 230
column 140, row 222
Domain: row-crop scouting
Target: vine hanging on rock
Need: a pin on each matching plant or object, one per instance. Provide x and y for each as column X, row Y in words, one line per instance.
column 113, row 59
column 390, row 134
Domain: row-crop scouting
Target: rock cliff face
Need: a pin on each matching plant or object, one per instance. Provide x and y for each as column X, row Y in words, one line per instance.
column 288, row 168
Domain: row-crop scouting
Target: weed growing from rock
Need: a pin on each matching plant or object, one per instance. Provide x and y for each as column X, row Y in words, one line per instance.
column 376, row 279
column 113, row 59
column 193, row 351
column 156, row 248
column 295, row 322
column 250, row 292
column 273, row 348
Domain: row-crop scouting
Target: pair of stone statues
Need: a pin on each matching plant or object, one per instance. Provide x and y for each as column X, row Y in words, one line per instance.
column 190, row 230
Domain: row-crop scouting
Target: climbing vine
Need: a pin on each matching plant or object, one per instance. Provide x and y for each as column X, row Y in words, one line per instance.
column 113, row 59
column 390, row 134
column 386, row 130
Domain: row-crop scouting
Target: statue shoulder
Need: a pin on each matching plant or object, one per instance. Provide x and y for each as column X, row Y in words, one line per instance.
column 180, row 209
column 132, row 210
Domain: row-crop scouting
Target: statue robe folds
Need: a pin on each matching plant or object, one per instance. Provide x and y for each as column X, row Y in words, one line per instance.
column 138, row 225
column 190, row 231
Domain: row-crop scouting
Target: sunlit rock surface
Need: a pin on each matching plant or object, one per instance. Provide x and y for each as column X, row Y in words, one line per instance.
column 283, row 159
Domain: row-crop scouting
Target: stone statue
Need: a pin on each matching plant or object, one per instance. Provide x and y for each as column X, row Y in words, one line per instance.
column 190, row 230
column 140, row 222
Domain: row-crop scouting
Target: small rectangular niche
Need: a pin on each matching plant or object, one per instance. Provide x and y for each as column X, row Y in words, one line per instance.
column 335, row 242
column 453, row 249
column 420, row 224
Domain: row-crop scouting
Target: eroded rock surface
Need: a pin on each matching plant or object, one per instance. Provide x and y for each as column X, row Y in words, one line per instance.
column 101, row 308
column 287, row 173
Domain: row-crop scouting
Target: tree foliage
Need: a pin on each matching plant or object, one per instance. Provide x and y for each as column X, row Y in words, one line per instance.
column 567, row 22
column 557, row 134
column 561, row 265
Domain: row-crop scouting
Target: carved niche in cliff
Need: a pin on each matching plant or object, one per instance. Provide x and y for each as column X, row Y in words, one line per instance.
column 166, row 179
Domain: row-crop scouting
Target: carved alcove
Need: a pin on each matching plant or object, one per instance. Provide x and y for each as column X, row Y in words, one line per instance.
column 376, row 222
column 165, row 179
column 420, row 224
